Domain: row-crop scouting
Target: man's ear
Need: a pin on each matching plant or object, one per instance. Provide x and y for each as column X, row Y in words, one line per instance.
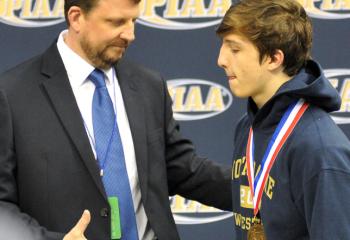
column 75, row 17
column 276, row 61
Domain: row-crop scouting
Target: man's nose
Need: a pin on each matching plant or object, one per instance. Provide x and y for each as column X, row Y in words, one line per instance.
column 128, row 32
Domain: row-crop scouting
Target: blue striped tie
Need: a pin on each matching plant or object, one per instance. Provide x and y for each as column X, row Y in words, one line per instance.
column 110, row 155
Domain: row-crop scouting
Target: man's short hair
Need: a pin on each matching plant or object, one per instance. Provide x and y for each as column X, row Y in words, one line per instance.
column 85, row 5
column 271, row 25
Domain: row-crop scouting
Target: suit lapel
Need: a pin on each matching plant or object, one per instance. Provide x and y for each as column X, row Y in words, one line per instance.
column 61, row 96
column 135, row 110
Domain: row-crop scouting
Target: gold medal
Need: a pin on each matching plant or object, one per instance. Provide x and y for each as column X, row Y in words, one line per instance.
column 256, row 232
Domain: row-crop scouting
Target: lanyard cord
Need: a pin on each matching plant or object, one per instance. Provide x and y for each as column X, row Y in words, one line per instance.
column 101, row 162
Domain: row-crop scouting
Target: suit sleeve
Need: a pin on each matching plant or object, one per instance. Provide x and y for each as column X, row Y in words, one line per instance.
column 189, row 175
column 14, row 224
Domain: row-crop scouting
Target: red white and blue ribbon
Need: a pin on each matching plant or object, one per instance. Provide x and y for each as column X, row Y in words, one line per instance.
column 285, row 127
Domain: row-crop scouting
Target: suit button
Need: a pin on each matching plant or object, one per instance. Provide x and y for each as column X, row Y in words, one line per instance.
column 104, row 212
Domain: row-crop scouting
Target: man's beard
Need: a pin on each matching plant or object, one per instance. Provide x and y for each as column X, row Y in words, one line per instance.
column 99, row 56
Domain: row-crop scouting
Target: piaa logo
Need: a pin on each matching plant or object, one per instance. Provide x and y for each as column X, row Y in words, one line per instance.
column 182, row 14
column 195, row 99
column 340, row 79
column 327, row 9
column 191, row 212
column 31, row 13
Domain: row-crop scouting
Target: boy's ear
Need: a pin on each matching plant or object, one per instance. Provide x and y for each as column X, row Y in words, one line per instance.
column 276, row 61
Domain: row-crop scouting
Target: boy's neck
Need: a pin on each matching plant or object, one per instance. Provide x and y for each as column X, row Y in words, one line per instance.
column 272, row 86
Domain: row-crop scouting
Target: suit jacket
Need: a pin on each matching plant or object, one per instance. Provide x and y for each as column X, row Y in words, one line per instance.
column 48, row 173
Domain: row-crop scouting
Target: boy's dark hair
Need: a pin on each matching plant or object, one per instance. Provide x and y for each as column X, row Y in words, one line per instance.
column 271, row 25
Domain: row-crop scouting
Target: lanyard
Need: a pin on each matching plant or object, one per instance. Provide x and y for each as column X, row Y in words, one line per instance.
column 284, row 128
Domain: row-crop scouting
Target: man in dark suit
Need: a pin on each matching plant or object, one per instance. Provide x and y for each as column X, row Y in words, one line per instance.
column 54, row 121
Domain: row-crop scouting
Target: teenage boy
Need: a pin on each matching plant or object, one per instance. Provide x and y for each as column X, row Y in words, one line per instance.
column 291, row 165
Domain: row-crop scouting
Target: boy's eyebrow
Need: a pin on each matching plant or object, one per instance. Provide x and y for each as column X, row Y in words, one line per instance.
column 232, row 42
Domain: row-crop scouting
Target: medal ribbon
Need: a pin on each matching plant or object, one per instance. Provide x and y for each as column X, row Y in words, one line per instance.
column 285, row 127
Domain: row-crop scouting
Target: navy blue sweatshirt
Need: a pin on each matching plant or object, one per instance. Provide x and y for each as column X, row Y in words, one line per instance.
column 307, row 192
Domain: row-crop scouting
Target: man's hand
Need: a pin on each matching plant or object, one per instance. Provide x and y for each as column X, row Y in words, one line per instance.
column 77, row 232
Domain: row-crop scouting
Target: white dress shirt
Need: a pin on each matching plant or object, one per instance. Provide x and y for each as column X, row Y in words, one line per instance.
column 78, row 71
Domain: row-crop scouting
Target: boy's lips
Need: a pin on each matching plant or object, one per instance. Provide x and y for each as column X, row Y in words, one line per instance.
column 230, row 78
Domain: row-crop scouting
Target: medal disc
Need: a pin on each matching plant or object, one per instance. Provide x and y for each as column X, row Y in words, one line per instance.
column 256, row 232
